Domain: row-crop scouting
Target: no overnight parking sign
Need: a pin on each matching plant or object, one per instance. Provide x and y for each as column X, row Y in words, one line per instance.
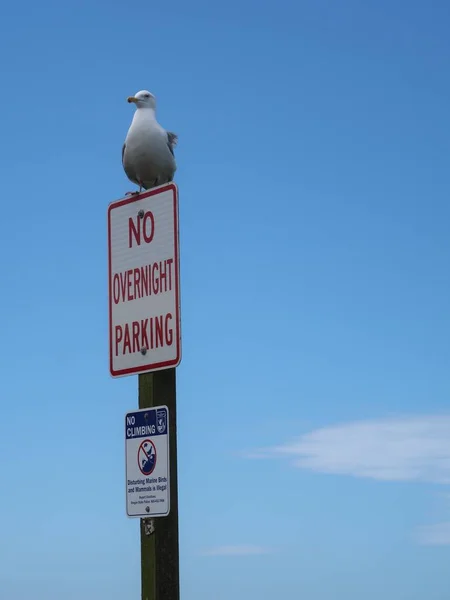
column 144, row 289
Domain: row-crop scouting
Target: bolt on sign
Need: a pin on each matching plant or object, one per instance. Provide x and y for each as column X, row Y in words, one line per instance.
column 144, row 288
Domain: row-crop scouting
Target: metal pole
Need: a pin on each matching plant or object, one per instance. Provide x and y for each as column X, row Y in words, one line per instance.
column 160, row 566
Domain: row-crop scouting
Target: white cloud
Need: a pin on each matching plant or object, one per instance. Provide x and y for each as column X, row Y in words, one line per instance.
column 243, row 550
column 434, row 535
column 396, row 449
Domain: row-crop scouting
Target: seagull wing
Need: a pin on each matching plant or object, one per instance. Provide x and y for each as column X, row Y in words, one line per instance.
column 172, row 140
column 126, row 167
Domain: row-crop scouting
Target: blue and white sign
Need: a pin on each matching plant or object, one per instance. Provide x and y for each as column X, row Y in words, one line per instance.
column 147, row 462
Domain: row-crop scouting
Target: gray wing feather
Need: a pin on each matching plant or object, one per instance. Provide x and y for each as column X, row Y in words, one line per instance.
column 172, row 140
column 126, row 167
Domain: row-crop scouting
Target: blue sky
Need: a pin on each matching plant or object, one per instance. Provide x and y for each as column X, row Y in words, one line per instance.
column 313, row 395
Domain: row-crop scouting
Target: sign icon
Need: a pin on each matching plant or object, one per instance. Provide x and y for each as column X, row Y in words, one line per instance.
column 161, row 421
column 147, row 457
column 144, row 282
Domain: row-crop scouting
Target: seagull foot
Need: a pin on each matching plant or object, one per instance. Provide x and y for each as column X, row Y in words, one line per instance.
column 131, row 193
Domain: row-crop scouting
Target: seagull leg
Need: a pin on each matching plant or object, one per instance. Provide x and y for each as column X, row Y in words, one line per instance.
column 135, row 193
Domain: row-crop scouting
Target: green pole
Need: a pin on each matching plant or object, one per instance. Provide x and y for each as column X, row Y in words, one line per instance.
column 160, row 564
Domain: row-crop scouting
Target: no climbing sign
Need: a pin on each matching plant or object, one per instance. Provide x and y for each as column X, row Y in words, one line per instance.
column 144, row 290
column 147, row 462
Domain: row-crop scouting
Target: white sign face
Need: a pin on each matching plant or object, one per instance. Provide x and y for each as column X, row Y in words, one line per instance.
column 144, row 290
column 147, row 462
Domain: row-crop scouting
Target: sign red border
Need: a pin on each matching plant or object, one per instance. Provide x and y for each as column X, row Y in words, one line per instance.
column 148, row 367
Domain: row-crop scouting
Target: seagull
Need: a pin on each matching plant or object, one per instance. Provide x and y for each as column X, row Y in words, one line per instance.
column 148, row 155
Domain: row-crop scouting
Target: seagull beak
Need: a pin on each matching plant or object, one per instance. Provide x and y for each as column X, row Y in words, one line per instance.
column 132, row 99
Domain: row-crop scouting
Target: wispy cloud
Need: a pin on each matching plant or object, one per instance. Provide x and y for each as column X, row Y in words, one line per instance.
column 434, row 535
column 242, row 550
column 397, row 449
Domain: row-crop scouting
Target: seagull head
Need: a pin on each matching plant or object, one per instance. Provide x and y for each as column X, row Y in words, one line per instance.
column 143, row 99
